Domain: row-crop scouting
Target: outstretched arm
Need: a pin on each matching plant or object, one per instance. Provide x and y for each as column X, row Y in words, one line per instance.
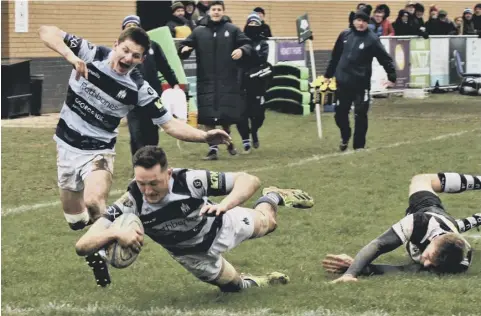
column 386, row 61
column 74, row 49
column 385, row 243
column 448, row 182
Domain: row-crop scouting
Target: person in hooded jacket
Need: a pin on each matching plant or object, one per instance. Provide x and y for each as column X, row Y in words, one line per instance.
column 179, row 26
column 401, row 26
column 351, row 64
column 254, row 84
column 418, row 15
column 477, row 18
column 387, row 28
column 191, row 12
column 219, row 46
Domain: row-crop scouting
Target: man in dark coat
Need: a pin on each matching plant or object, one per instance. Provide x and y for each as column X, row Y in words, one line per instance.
column 265, row 28
column 255, row 83
column 179, row 26
column 477, row 18
column 219, row 45
column 142, row 130
column 351, row 63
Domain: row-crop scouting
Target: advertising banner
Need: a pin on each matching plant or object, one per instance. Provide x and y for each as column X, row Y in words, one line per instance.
column 399, row 50
column 457, row 59
column 440, row 61
column 473, row 55
column 420, row 63
column 290, row 51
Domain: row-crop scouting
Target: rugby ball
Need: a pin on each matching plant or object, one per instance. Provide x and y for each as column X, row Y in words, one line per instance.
column 118, row 256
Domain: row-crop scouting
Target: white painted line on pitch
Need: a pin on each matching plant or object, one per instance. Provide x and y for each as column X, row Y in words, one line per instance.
column 474, row 236
column 351, row 152
column 24, row 208
column 123, row 310
column 32, row 207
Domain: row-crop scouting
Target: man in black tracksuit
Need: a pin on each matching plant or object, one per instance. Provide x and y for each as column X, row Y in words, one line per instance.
column 142, row 131
column 351, row 65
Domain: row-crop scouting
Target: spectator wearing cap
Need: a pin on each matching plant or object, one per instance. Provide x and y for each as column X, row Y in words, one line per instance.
column 447, row 26
column 254, row 86
column 468, row 23
column 219, row 47
column 142, row 130
column 265, row 28
column 179, row 26
column 387, row 28
column 477, row 18
column 351, row 64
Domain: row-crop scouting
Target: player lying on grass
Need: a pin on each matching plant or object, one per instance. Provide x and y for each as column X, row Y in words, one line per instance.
column 175, row 211
column 431, row 236
column 103, row 87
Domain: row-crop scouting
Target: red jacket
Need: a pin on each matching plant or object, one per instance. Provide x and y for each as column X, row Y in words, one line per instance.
column 387, row 29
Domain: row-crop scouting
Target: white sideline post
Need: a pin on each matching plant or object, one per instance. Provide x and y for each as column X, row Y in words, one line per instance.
column 314, row 76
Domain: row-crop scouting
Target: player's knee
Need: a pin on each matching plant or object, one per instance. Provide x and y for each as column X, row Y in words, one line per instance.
column 95, row 207
column 264, row 223
column 77, row 221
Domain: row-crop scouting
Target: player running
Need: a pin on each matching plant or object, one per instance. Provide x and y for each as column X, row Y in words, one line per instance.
column 103, row 88
column 175, row 211
column 432, row 237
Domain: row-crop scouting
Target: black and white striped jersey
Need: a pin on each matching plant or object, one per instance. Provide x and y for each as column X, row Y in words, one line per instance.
column 175, row 222
column 427, row 219
column 93, row 108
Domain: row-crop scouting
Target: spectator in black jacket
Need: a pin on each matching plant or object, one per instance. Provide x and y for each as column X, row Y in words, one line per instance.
column 219, row 45
column 447, row 26
column 179, row 26
column 401, row 26
column 477, row 18
column 418, row 16
column 468, row 23
column 265, row 28
column 351, row 63
column 142, row 130
column 254, row 84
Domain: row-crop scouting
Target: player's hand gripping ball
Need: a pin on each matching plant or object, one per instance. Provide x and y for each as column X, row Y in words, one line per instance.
column 123, row 252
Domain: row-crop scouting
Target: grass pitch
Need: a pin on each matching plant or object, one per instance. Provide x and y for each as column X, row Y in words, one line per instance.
column 358, row 195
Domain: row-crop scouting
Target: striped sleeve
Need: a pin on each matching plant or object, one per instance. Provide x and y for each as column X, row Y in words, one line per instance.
column 404, row 228
column 124, row 205
column 80, row 47
column 149, row 99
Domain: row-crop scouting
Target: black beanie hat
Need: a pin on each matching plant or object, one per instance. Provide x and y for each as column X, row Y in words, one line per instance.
column 361, row 15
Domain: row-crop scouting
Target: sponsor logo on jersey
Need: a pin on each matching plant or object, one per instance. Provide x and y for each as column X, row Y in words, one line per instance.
column 83, row 106
column 184, row 208
column 95, row 94
column 150, row 91
column 214, row 180
column 197, row 183
column 93, row 73
column 121, row 95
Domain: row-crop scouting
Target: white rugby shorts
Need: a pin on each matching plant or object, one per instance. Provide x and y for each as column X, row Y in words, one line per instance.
column 73, row 166
column 237, row 226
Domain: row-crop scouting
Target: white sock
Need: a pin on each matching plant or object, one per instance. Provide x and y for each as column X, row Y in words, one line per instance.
column 75, row 218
